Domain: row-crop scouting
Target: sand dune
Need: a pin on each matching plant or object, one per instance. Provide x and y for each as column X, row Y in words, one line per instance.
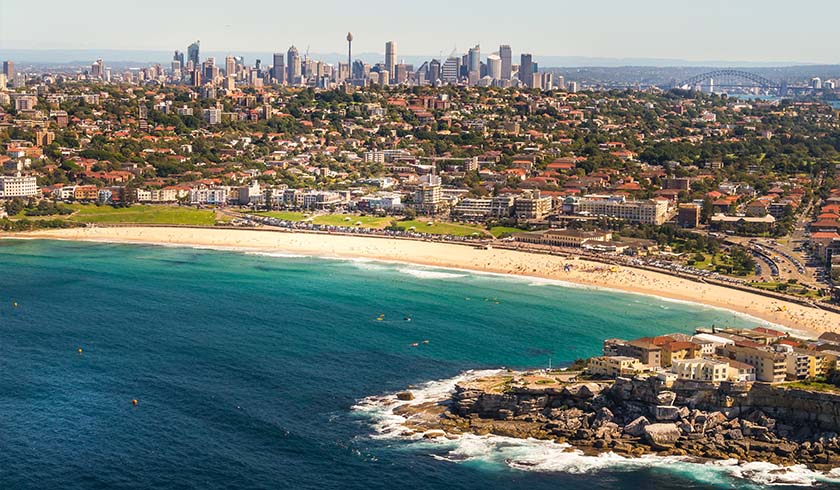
column 463, row 257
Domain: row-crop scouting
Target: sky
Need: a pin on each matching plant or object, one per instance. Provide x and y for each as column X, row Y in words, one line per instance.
column 698, row 30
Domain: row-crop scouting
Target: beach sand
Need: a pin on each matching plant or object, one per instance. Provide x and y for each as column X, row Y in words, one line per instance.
column 791, row 315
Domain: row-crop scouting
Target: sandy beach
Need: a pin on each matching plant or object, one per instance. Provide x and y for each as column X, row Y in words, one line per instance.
column 791, row 315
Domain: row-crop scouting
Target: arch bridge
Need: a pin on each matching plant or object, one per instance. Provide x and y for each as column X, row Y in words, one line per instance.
column 731, row 78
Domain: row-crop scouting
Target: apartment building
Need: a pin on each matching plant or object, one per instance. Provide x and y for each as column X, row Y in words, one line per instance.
column 18, row 186
column 651, row 211
column 770, row 365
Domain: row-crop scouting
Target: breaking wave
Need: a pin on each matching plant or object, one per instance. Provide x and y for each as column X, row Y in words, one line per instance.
column 548, row 456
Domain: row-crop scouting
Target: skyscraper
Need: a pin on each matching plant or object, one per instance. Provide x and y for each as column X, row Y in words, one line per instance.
column 506, row 55
column 192, row 54
column 293, row 66
column 474, row 59
column 9, row 70
column 97, row 70
column 451, row 70
column 390, row 56
column 230, row 66
column 434, row 71
column 279, row 68
column 179, row 57
column 526, row 69
column 494, row 66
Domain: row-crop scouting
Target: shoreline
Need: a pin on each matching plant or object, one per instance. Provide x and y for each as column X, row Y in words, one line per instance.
column 610, row 423
column 505, row 262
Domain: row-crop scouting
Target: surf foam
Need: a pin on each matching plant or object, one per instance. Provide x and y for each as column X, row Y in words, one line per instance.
column 550, row 457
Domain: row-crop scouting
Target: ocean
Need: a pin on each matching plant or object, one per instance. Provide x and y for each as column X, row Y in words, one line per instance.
column 252, row 370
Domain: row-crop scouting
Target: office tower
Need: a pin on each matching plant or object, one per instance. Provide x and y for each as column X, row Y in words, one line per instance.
column 494, row 66
column 390, row 56
column 526, row 69
column 506, row 55
column 9, row 70
column 179, row 57
column 400, row 74
column 195, row 78
column 361, row 70
column 350, row 51
column 97, row 69
column 293, row 66
column 192, row 54
column 474, row 60
column 434, row 71
column 279, row 68
column 451, row 69
column 230, row 66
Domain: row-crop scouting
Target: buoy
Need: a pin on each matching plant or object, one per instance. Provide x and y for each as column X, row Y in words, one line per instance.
column 80, row 350
column 14, row 304
column 134, row 402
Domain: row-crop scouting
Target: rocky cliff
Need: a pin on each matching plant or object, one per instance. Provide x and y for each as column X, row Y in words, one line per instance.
column 747, row 422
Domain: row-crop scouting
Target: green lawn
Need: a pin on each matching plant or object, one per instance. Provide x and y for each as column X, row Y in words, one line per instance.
column 813, row 386
column 351, row 220
column 143, row 214
column 783, row 287
column 439, row 228
column 498, row 231
column 284, row 215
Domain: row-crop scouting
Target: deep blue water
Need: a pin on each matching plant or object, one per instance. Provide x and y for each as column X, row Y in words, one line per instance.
column 245, row 367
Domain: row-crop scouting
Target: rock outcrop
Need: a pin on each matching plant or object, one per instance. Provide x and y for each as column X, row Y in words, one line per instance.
column 747, row 422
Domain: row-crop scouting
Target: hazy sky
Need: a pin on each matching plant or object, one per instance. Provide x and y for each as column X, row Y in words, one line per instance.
column 732, row 30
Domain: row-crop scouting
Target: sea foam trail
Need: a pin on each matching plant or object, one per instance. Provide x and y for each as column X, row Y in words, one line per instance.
column 429, row 274
column 548, row 456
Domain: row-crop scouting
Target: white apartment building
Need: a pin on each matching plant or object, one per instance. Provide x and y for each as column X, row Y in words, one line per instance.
column 473, row 208
column 210, row 196
column 18, row 186
column 709, row 370
column 649, row 211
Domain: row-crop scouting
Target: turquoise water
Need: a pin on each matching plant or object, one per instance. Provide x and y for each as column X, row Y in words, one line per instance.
column 246, row 367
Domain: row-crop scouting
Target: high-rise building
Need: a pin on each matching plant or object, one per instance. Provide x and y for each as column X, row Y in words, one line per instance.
column 361, row 70
column 451, row 69
column 390, row 56
column 179, row 57
column 494, row 66
column 9, row 70
column 279, row 68
column 293, row 68
column 434, row 71
column 526, row 69
column 230, row 66
column 97, row 69
column 400, row 75
column 192, row 53
column 474, row 60
column 506, row 54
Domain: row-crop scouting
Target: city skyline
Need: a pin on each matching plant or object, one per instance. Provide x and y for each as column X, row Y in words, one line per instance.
column 711, row 31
